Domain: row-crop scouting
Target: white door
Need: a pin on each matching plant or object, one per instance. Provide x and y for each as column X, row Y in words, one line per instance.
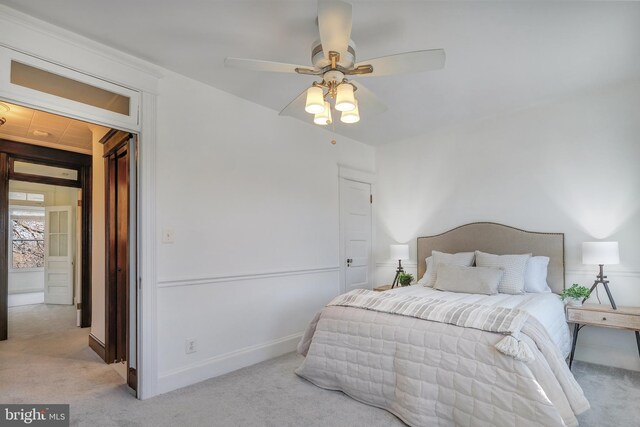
column 355, row 226
column 58, row 271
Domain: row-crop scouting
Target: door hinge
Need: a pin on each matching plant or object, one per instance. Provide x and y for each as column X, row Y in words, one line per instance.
column 371, row 198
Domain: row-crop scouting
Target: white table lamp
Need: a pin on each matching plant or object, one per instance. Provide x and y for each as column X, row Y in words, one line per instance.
column 398, row 252
column 601, row 253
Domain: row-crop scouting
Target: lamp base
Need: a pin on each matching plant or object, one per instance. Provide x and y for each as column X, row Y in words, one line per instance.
column 600, row 279
column 398, row 271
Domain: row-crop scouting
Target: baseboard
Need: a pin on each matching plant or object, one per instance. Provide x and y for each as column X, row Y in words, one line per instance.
column 225, row 363
column 98, row 347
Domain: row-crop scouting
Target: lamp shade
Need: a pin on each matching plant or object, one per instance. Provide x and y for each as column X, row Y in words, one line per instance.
column 352, row 116
column 345, row 101
column 323, row 118
column 399, row 251
column 596, row 253
column 315, row 100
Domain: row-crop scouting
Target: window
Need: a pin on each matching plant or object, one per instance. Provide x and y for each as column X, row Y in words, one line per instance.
column 44, row 81
column 27, row 238
column 36, row 198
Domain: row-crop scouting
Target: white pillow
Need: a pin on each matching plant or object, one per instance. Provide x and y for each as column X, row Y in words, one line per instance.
column 470, row 280
column 424, row 280
column 535, row 276
column 514, row 267
column 463, row 259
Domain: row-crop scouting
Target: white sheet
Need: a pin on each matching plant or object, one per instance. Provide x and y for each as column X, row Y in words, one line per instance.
column 545, row 307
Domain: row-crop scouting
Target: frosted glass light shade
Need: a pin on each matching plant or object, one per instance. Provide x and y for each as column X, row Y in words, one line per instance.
column 399, row 251
column 323, row 118
column 352, row 116
column 596, row 253
column 345, row 101
column 315, row 100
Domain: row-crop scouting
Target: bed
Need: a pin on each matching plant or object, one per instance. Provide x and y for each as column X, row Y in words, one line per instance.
column 436, row 373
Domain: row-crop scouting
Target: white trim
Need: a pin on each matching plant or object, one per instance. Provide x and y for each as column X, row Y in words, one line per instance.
column 224, row 363
column 67, row 106
column 147, row 251
column 190, row 281
column 358, row 175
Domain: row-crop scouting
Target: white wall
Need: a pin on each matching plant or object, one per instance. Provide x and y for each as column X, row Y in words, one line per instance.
column 570, row 166
column 252, row 199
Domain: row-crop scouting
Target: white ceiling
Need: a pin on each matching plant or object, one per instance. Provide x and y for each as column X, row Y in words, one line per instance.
column 501, row 56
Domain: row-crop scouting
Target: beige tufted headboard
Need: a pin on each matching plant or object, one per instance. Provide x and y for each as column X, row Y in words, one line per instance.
column 501, row 240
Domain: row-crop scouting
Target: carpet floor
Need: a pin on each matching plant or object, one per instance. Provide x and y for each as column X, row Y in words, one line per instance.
column 56, row 366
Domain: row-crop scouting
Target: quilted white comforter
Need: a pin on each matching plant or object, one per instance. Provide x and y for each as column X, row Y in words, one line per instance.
column 437, row 374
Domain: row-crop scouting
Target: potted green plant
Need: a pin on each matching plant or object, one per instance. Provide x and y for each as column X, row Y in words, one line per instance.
column 405, row 279
column 575, row 294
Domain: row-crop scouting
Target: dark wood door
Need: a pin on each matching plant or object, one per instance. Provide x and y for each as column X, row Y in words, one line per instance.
column 121, row 255
column 120, row 296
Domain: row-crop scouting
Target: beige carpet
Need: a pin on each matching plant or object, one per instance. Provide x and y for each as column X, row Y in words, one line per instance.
column 56, row 366
column 47, row 359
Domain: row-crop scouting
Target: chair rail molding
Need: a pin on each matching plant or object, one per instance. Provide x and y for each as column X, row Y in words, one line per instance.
column 191, row 281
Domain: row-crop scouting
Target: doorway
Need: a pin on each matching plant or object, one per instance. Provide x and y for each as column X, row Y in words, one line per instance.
column 355, row 235
column 42, row 165
column 28, row 162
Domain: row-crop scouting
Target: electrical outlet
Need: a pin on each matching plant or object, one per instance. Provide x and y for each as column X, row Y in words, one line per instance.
column 167, row 235
column 190, row 345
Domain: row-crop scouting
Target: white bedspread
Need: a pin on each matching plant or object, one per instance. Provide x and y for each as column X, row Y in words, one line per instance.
column 437, row 374
column 545, row 307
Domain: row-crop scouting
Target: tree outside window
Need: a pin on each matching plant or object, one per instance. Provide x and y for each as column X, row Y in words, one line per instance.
column 27, row 239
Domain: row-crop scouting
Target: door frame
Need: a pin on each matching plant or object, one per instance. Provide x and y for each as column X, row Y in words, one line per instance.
column 351, row 174
column 11, row 151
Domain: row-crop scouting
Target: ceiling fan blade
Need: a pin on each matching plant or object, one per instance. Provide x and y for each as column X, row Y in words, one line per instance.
column 259, row 65
column 334, row 25
column 408, row 62
column 369, row 104
column 296, row 108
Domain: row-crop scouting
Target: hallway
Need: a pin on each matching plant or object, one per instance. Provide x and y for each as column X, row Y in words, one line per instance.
column 46, row 359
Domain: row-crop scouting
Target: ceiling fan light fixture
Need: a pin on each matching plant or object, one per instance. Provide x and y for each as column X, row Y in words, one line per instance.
column 352, row 116
column 345, row 101
column 315, row 100
column 323, row 118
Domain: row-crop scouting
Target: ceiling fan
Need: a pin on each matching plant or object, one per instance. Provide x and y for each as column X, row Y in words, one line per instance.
column 334, row 58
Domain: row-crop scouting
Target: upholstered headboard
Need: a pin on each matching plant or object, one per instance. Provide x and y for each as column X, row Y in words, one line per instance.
column 501, row 240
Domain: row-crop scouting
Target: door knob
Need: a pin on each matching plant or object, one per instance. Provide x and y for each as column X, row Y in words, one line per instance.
column 349, row 261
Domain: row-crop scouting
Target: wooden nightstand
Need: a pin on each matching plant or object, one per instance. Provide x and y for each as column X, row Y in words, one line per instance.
column 382, row 288
column 603, row 315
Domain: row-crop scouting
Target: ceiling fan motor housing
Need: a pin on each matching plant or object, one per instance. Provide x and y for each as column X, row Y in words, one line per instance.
column 347, row 59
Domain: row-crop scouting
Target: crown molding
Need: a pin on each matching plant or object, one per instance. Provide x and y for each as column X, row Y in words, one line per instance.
column 12, row 21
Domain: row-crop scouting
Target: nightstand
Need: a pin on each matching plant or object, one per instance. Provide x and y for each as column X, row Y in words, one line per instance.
column 382, row 288
column 603, row 315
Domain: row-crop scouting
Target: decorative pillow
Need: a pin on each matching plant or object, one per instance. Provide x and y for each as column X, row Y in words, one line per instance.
column 464, row 259
column 424, row 280
column 470, row 280
column 535, row 276
column 514, row 267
